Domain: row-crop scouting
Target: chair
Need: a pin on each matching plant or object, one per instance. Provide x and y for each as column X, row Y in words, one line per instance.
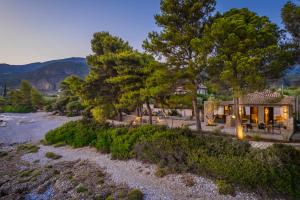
column 262, row 125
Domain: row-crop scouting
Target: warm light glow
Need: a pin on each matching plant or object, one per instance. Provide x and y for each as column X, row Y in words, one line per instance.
column 240, row 133
column 266, row 111
column 210, row 122
column 285, row 112
column 241, row 110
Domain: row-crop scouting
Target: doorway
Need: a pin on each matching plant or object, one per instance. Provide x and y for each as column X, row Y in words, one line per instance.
column 269, row 115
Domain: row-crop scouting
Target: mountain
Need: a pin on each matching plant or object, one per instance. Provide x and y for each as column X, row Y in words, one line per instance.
column 292, row 77
column 45, row 76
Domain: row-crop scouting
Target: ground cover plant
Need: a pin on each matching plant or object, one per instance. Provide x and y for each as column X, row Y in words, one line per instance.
column 276, row 169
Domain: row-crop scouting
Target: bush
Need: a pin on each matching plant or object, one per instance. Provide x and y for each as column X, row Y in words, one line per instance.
column 75, row 133
column 17, row 109
column 135, row 194
column 81, row 189
column 225, row 188
column 74, row 108
column 28, row 148
column 161, row 172
column 276, row 169
column 52, row 155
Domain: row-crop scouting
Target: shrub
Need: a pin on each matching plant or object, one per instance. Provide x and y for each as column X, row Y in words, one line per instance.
column 81, row 189
column 135, row 194
column 28, row 148
column 3, row 153
column 104, row 140
column 161, row 172
column 276, row 169
column 224, row 187
column 52, row 155
column 60, row 144
column 75, row 133
column 74, row 108
column 17, row 109
column 256, row 137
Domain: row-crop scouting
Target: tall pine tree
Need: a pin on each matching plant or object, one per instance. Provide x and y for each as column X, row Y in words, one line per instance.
column 181, row 21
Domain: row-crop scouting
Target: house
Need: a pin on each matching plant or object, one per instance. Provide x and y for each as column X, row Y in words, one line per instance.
column 268, row 112
column 201, row 90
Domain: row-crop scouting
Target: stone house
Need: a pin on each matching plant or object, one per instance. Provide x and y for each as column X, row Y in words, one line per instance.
column 268, row 112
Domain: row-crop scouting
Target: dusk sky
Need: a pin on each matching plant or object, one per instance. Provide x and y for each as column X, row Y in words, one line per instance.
column 41, row 30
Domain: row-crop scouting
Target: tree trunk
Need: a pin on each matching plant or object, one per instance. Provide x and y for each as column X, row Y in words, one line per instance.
column 196, row 113
column 137, row 110
column 149, row 111
column 120, row 117
column 238, row 123
column 202, row 114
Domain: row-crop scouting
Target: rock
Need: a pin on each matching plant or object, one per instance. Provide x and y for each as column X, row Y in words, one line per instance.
column 3, row 123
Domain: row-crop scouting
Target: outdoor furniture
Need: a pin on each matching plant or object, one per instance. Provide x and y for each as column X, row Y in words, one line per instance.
column 277, row 127
column 247, row 126
column 262, row 126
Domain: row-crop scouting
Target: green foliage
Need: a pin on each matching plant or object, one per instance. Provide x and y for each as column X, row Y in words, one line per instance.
column 81, row 189
column 97, row 91
column 292, row 91
column 181, row 21
column 69, row 102
column 225, row 188
column 76, row 134
column 102, row 113
column 28, row 148
column 135, row 194
column 52, row 155
column 276, row 169
column 247, row 51
column 16, row 109
column 290, row 14
column 26, row 99
column 73, row 108
column 161, row 172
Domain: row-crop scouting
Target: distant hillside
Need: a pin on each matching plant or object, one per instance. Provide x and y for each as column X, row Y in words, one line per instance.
column 44, row 76
column 292, row 77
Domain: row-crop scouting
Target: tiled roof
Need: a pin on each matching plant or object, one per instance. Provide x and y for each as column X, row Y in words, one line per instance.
column 264, row 98
column 267, row 97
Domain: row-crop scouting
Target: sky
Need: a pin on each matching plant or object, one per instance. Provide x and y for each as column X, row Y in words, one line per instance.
column 42, row 30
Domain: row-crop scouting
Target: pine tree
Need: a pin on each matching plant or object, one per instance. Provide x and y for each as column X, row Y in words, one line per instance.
column 246, row 53
column 181, row 21
column 97, row 92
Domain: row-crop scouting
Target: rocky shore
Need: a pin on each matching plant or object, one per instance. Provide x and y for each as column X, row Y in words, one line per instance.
column 78, row 179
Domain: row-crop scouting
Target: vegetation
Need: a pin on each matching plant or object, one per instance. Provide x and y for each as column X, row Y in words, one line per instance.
column 81, row 189
column 135, row 194
column 28, row 148
column 275, row 169
column 52, row 155
column 246, row 52
column 224, row 187
column 68, row 101
column 26, row 99
column 181, row 23
column 290, row 14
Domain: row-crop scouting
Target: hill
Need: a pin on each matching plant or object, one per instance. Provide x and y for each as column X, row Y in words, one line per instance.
column 45, row 76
